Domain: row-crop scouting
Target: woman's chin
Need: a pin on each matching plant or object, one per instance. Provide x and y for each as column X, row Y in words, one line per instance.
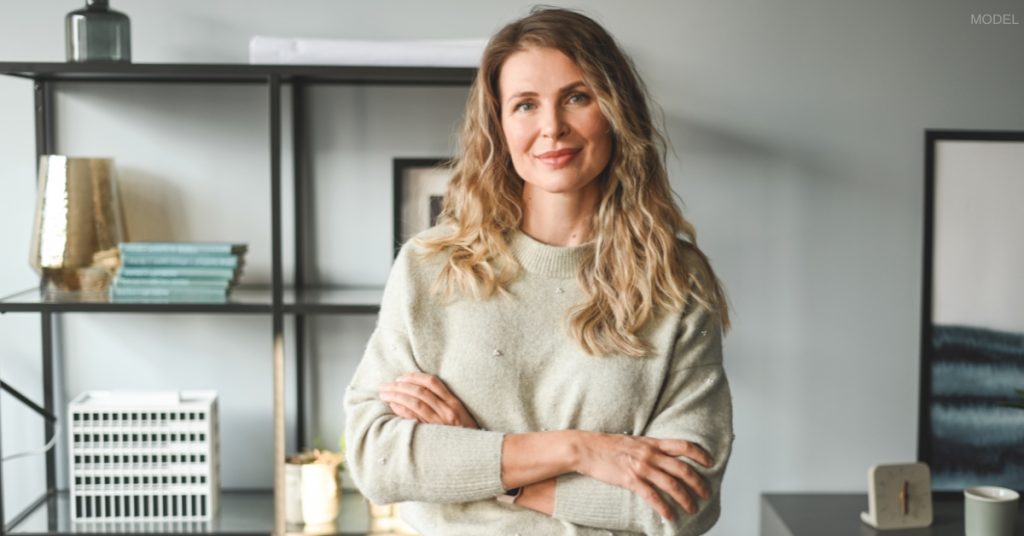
column 560, row 184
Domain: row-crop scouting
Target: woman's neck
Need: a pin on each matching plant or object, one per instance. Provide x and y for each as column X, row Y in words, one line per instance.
column 558, row 219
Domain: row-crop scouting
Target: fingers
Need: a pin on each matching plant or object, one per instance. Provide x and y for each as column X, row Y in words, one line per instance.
column 669, row 475
column 673, row 488
column 416, row 403
column 647, row 493
column 404, row 412
column 682, row 472
column 433, row 391
column 680, row 447
column 429, row 382
column 680, row 488
column 678, row 479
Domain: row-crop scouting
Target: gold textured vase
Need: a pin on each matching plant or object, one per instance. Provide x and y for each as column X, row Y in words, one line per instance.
column 78, row 223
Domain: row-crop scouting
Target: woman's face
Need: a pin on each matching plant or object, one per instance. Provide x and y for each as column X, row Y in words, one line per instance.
column 554, row 129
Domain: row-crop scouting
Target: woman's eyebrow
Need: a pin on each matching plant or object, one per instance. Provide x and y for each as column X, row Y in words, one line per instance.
column 574, row 85
column 564, row 89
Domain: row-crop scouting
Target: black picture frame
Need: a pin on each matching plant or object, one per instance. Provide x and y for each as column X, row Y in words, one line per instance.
column 972, row 352
column 418, row 186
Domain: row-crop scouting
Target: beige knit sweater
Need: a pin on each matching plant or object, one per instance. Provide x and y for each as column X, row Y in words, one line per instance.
column 515, row 367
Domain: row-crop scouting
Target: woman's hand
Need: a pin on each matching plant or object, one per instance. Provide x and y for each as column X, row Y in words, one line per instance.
column 424, row 398
column 645, row 466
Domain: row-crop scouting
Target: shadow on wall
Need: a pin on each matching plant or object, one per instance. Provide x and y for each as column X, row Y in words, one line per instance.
column 753, row 203
column 152, row 206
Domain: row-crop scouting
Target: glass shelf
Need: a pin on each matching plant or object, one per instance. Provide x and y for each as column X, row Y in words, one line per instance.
column 245, row 300
column 241, row 512
column 334, row 300
column 239, row 73
column 242, row 300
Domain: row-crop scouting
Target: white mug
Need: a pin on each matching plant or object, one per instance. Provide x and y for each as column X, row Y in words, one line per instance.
column 990, row 511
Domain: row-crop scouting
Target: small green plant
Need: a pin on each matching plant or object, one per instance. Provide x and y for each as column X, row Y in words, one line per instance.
column 316, row 456
column 1017, row 403
column 320, row 455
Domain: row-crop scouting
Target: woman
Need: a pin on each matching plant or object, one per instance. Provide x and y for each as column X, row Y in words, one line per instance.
column 547, row 359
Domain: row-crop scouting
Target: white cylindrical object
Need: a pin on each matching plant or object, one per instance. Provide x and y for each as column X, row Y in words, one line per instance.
column 293, row 493
column 320, row 493
column 990, row 511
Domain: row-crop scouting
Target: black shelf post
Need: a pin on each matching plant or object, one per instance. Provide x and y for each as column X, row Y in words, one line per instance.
column 45, row 144
column 300, row 175
column 44, row 113
column 274, row 82
column 49, row 425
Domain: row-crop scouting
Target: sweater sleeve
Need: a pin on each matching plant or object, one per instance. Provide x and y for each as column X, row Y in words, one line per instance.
column 694, row 405
column 393, row 459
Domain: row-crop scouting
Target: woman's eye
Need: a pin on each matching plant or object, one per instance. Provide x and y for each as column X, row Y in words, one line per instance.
column 524, row 106
column 578, row 98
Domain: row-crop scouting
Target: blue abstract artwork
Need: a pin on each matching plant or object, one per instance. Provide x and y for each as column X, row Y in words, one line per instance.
column 972, row 352
column 977, row 432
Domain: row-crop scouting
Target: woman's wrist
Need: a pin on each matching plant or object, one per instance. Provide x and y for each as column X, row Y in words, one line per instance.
column 536, row 456
column 539, row 496
column 573, row 443
column 565, row 446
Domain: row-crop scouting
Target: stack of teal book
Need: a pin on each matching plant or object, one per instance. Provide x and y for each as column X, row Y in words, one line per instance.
column 177, row 272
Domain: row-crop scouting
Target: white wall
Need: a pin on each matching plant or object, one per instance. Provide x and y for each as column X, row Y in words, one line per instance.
column 798, row 135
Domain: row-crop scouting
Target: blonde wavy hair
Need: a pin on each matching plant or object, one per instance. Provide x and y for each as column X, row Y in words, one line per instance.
column 637, row 264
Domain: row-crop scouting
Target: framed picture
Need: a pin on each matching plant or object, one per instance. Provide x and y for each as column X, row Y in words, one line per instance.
column 971, row 426
column 419, row 187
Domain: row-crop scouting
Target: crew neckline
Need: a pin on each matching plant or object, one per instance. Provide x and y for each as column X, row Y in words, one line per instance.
column 556, row 261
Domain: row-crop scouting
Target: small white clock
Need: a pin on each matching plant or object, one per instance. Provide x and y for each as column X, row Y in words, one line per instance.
column 899, row 496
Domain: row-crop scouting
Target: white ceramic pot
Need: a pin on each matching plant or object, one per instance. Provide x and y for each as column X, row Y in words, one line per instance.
column 321, row 494
column 293, row 493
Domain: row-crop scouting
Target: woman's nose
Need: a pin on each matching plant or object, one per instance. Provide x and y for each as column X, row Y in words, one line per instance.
column 553, row 124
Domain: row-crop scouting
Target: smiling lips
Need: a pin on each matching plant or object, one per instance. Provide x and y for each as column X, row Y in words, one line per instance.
column 558, row 158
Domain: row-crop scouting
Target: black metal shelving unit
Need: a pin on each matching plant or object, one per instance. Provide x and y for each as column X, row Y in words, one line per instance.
column 279, row 299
